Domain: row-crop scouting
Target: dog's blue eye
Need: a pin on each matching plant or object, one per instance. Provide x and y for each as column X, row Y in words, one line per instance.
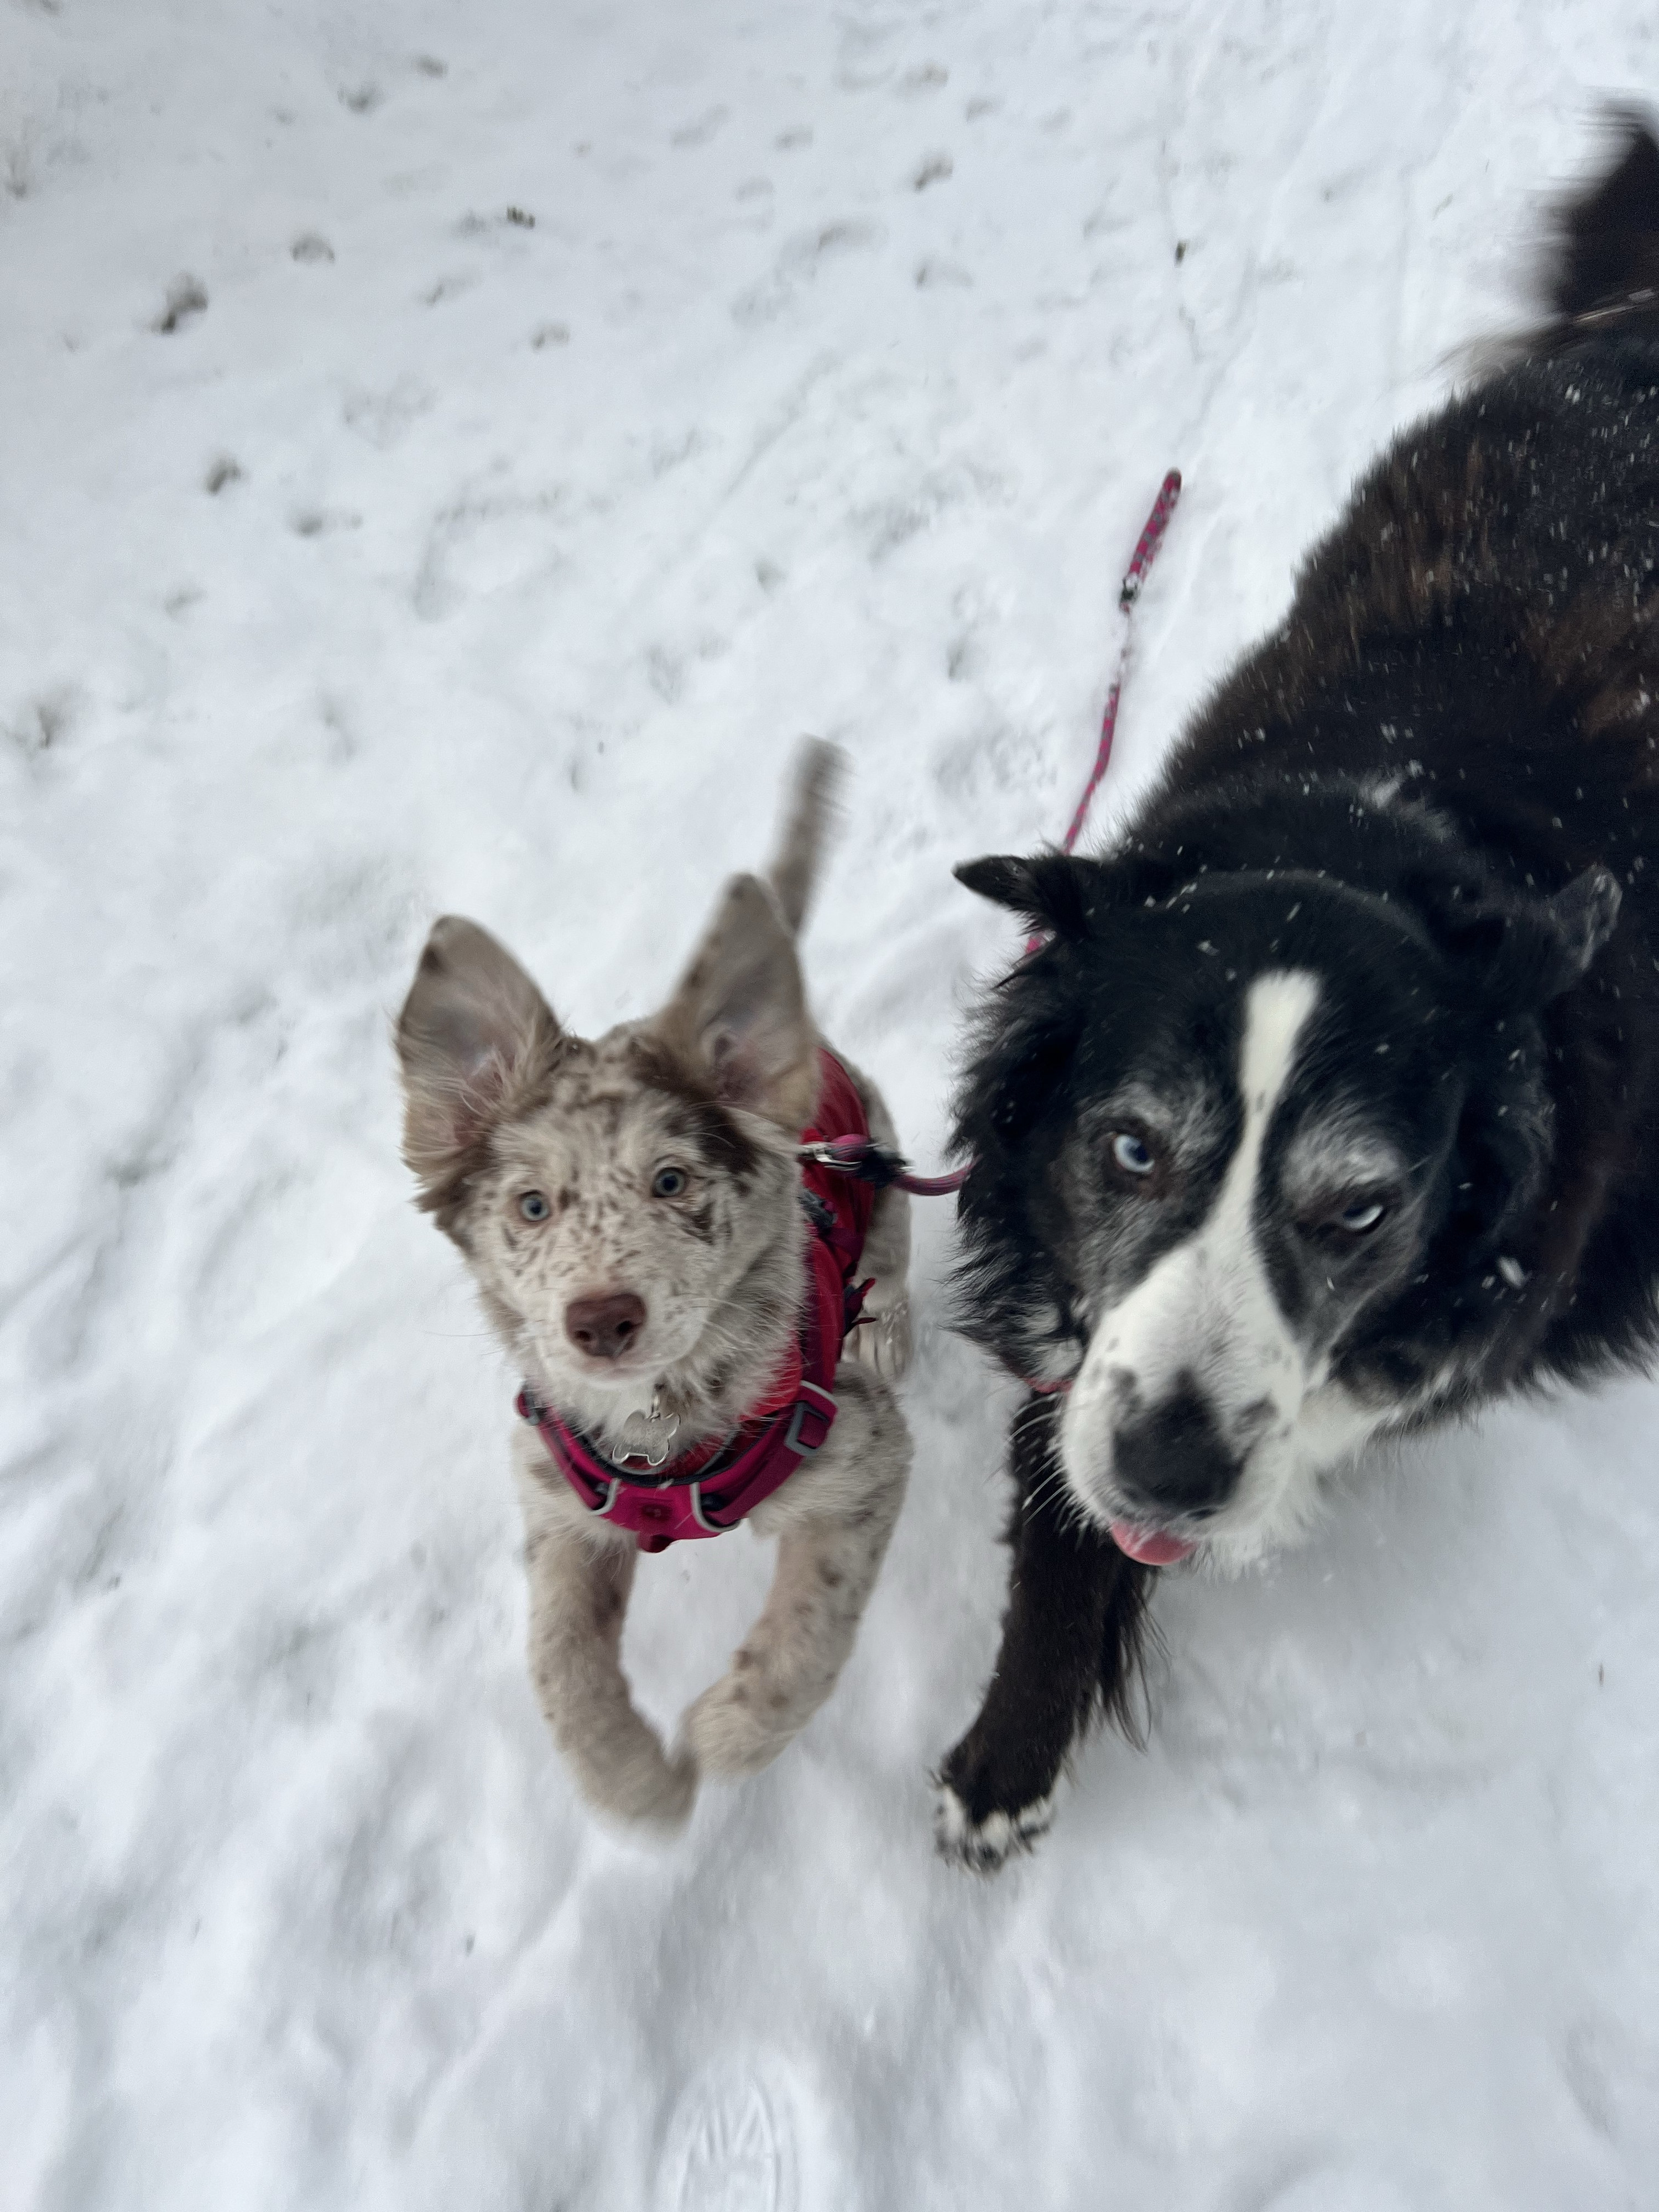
column 1133, row 1156
column 534, row 1206
column 668, row 1183
column 1365, row 1213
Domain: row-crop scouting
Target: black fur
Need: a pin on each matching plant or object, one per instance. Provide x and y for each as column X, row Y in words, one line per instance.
column 1437, row 785
column 1071, row 1638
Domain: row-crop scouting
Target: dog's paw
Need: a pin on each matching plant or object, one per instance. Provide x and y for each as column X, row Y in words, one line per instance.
column 983, row 1845
column 882, row 1342
column 647, row 1787
column 736, row 1728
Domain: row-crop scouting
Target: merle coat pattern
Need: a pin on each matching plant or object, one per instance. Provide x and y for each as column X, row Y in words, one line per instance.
column 630, row 1208
column 1331, row 1107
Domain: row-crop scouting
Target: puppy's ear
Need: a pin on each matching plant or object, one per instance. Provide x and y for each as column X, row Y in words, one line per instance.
column 475, row 1040
column 739, row 1017
column 1048, row 889
column 1527, row 951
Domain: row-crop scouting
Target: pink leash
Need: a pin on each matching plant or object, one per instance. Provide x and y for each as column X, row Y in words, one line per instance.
column 1133, row 577
column 859, row 1155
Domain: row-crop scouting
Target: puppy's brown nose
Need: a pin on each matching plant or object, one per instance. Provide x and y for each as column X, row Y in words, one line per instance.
column 603, row 1328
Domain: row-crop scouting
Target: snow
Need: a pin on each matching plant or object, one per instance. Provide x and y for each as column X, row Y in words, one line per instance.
column 826, row 387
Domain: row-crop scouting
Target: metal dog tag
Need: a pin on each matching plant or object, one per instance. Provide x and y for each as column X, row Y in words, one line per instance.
column 646, row 1437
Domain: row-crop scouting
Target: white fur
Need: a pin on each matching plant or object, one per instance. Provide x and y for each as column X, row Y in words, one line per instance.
column 984, row 1846
column 1207, row 1308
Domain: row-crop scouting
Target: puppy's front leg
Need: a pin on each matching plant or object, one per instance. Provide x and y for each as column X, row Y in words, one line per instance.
column 1069, row 1637
column 833, row 1523
column 881, row 1338
column 578, row 1589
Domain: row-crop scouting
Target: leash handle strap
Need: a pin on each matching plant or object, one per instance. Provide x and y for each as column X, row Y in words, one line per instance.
column 1135, row 576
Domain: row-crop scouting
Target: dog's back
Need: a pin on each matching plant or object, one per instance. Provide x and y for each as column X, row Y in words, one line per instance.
column 1480, row 633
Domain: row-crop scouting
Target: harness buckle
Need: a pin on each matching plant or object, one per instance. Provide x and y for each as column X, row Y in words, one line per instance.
column 804, row 1410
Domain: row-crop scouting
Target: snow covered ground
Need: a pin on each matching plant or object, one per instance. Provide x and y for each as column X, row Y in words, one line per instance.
column 369, row 548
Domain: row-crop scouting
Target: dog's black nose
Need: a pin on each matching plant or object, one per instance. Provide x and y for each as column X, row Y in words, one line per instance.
column 1172, row 1457
column 602, row 1327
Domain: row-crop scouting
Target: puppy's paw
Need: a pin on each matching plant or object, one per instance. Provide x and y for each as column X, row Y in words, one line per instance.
column 737, row 1727
column 647, row 1786
column 882, row 1342
column 983, row 1845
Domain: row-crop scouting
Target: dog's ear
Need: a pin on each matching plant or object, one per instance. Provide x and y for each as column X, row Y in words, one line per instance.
column 739, row 1017
column 1582, row 918
column 1048, row 889
column 1525, row 951
column 1517, row 957
column 475, row 1040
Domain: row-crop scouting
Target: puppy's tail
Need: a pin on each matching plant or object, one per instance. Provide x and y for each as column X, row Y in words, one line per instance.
column 1603, row 266
column 812, row 810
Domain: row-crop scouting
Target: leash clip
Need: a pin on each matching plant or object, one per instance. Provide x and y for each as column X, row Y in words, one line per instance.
column 856, row 1155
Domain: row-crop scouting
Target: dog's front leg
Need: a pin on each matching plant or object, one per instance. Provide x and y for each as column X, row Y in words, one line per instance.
column 833, row 1521
column 579, row 1584
column 1069, row 1638
column 881, row 1338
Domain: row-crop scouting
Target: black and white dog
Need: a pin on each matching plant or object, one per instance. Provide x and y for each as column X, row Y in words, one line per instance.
column 1331, row 1107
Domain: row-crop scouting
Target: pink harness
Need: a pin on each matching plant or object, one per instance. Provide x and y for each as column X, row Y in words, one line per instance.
column 710, row 1488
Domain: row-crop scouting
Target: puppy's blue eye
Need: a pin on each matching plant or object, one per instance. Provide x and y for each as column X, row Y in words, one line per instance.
column 1365, row 1213
column 1132, row 1155
column 534, row 1206
column 667, row 1182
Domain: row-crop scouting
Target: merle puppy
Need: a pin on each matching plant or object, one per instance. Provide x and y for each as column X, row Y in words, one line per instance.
column 1330, row 1108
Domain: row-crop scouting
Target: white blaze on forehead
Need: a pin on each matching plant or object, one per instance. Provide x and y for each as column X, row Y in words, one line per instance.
column 1207, row 1308
column 1275, row 1014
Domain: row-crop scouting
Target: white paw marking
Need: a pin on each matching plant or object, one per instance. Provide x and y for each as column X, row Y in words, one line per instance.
column 984, row 1846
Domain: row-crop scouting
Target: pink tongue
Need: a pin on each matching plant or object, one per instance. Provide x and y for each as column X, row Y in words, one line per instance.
column 1147, row 1546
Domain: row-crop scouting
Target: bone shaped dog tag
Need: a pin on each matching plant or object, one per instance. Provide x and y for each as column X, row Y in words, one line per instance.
column 646, row 1436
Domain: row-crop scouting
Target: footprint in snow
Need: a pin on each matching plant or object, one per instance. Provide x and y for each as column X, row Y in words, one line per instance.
column 186, row 299
column 800, row 263
column 730, row 2147
column 1338, row 2188
column 699, row 133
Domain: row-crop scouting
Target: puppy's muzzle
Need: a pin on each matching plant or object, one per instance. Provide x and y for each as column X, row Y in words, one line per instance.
column 604, row 1328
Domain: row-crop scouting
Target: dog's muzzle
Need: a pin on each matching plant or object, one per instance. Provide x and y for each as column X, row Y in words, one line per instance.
column 1171, row 1462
